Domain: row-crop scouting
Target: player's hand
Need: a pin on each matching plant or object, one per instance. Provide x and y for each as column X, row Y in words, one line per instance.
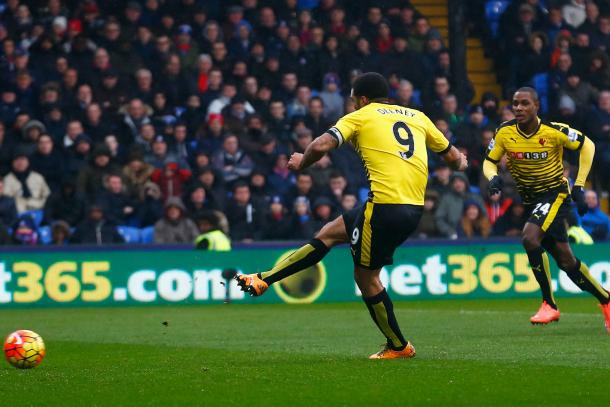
column 295, row 161
column 463, row 163
column 495, row 185
column 578, row 196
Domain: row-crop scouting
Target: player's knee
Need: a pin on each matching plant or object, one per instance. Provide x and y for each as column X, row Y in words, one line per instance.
column 530, row 241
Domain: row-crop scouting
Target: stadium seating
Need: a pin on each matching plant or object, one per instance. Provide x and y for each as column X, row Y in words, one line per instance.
column 36, row 215
column 44, row 234
column 147, row 234
column 130, row 234
column 493, row 11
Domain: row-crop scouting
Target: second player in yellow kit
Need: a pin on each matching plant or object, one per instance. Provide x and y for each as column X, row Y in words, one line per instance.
column 391, row 142
column 534, row 150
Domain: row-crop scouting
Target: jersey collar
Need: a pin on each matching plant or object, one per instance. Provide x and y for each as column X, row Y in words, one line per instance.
column 532, row 134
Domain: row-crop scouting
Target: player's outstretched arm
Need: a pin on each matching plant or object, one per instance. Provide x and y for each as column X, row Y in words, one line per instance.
column 585, row 161
column 314, row 151
column 455, row 159
column 587, row 152
column 490, row 170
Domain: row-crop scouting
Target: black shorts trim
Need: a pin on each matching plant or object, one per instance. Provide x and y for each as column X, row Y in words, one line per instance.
column 376, row 230
column 550, row 213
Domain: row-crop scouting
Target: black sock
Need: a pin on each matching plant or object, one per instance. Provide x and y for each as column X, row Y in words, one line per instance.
column 582, row 278
column 539, row 261
column 382, row 311
column 302, row 258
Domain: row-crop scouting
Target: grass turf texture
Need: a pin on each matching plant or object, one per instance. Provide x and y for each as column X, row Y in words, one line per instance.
column 468, row 353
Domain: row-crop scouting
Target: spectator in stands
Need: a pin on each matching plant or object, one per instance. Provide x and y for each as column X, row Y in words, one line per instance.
column 511, row 223
column 490, row 104
column 581, row 92
column 245, row 215
column 90, row 180
column 404, row 95
column 160, row 155
column 96, row 229
column 8, row 209
column 600, row 38
column 27, row 187
column 25, row 231
column 149, row 207
column 65, row 204
column 278, row 221
column 427, row 225
column 199, row 202
column 574, row 13
column 433, row 98
column 60, row 233
column 117, row 205
column 595, row 221
column 30, row 133
column 136, row 114
column 331, row 97
column 323, row 212
column 232, row 162
column 303, row 225
column 474, row 222
column 175, row 227
column 452, row 203
column 136, row 174
column 48, row 162
column 496, row 206
column 315, row 120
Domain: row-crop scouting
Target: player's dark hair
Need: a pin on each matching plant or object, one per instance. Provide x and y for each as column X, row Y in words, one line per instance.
column 531, row 91
column 372, row 85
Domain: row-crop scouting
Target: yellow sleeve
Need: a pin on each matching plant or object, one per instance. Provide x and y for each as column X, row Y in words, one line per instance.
column 435, row 139
column 495, row 151
column 585, row 161
column 568, row 137
column 346, row 127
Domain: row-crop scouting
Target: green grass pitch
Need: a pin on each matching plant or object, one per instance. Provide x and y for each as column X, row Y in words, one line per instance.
column 481, row 352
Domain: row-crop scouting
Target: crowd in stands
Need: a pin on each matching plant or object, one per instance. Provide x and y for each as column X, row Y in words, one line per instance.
column 160, row 115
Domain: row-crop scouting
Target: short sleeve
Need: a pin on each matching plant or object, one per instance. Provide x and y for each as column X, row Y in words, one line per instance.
column 568, row 137
column 495, row 151
column 435, row 139
column 346, row 127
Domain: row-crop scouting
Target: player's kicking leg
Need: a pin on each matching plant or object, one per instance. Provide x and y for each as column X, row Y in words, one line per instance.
column 382, row 311
column 332, row 234
column 579, row 274
column 539, row 261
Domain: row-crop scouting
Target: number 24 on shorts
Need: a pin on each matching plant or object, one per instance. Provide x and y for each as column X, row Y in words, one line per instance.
column 543, row 208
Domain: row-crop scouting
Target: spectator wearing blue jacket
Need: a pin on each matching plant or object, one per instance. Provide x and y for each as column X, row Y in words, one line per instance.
column 595, row 221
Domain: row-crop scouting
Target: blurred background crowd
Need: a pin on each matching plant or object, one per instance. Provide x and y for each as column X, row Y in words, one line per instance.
column 156, row 121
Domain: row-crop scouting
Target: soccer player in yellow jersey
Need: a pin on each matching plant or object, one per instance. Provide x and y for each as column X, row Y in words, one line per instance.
column 534, row 149
column 392, row 142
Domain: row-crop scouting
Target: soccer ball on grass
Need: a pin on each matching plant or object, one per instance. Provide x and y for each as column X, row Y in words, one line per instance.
column 24, row 349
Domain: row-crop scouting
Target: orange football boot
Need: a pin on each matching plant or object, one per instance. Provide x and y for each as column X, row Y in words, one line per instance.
column 545, row 314
column 606, row 310
column 388, row 353
column 252, row 284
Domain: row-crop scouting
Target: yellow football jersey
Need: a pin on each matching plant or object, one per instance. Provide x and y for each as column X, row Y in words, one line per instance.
column 535, row 161
column 391, row 141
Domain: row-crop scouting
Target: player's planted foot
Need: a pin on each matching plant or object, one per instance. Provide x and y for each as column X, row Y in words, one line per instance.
column 252, row 284
column 389, row 353
column 545, row 314
column 606, row 310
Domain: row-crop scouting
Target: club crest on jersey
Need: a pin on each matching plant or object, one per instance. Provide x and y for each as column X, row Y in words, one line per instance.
column 542, row 141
